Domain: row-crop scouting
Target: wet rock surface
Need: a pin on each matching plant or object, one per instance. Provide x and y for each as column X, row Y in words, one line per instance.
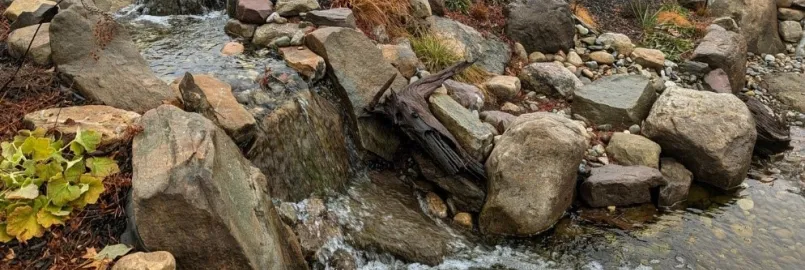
column 539, row 149
column 615, row 185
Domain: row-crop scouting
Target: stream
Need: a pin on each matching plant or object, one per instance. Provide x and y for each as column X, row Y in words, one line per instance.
column 760, row 226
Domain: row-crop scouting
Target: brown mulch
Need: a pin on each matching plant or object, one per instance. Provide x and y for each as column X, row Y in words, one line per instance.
column 616, row 15
column 35, row 88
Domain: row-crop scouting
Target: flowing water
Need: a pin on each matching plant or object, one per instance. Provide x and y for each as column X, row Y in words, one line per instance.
column 760, row 226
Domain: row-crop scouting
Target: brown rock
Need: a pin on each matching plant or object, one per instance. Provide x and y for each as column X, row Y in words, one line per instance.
column 305, row 61
column 615, row 185
column 254, row 11
column 758, row 22
column 20, row 39
column 232, row 48
column 213, row 99
column 402, row 57
column 628, row 150
column 649, row 58
column 464, row 220
column 718, row 81
column 677, row 182
column 725, row 50
column 114, row 125
column 160, row 260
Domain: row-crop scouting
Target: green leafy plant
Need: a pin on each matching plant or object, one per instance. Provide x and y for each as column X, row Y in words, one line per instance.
column 43, row 181
column 672, row 40
column 458, row 5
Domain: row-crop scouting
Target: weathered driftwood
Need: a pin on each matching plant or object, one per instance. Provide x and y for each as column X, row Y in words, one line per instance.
column 408, row 109
column 773, row 135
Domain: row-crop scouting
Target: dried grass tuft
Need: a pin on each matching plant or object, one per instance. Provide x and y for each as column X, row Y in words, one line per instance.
column 392, row 14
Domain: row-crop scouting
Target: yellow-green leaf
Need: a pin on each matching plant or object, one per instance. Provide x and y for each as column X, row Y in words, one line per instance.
column 28, row 192
column 94, row 187
column 74, row 169
column 48, row 170
column 62, row 192
column 11, row 152
column 112, row 252
column 39, row 148
column 22, row 224
column 48, row 219
column 4, row 237
column 89, row 139
column 102, row 167
column 59, row 211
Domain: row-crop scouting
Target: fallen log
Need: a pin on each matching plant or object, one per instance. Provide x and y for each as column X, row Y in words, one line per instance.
column 409, row 110
column 773, row 135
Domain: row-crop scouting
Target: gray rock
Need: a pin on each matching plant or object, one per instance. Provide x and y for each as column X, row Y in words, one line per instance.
column 695, row 68
column 465, row 195
column 499, row 120
column 468, row 130
column 712, row 134
column 295, row 7
column 420, row 9
column 360, row 70
column 468, row 95
column 402, row 57
column 303, row 147
column 628, row 149
column 677, row 182
column 490, row 54
column 116, row 76
column 540, row 25
column 787, row 88
column 238, row 29
column 413, row 236
column 758, row 22
column 20, row 39
column 527, row 198
column 27, row 13
column 790, row 31
column 339, row 17
column 615, row 185
column 620, row 100
column 724, row 50
column 190, row 187
column 268, row 33
column 505, row 88
column 550, row 79
column 160, row 260
column 727, row 23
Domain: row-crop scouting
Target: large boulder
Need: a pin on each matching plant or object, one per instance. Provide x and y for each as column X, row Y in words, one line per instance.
column 196, row 196
column 628, row 149
column 491, row 54
column 411, row 234
column 116, row 75
column 787, row 87
column 532, row 174
column 712, row 134
column 213, row 99
column 726, row 50
column 115, row 126
column 359, row 70
column 302, row 145
column 540, row 25
column 471, row 134
column 181, row 7
column 550, row 79
column 39, row 52
column 757, row 20
column 621, row 100
column 616, row 185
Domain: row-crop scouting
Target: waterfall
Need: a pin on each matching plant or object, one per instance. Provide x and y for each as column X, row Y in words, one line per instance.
column 181, row 7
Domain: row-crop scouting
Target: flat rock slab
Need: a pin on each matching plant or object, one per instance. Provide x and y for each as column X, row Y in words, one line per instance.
column 213, row 99
column 359, row 70
column 338, row 17
column 789, row 88
column 620, row 100
column 116, row 76
column 471, row 134
column 712, row 134
column 114, row 125
column 615, row 185
column 392, row 221
column 305, row 61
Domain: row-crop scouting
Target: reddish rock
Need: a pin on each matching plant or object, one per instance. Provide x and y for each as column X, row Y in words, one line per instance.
column 718, row 81
column 254, row 11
